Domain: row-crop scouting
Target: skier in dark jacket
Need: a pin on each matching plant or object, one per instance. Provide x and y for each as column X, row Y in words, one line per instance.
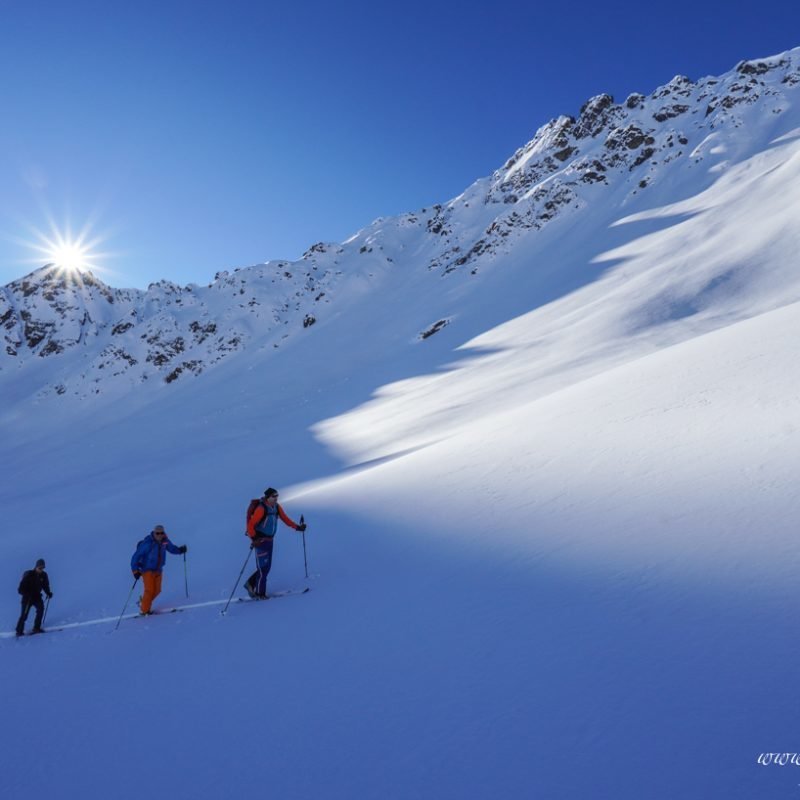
column 33, row 583
column 148, row 562
column 261, row 528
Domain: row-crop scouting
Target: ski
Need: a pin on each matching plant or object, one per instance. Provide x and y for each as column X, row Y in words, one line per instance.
column 159, row 613
column 285, row 592
column 282, row 593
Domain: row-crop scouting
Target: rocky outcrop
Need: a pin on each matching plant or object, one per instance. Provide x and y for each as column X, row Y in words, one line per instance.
column 165, row 333
column 570, row 159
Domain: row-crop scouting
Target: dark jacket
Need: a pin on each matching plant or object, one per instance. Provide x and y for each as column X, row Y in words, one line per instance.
column 33, row 583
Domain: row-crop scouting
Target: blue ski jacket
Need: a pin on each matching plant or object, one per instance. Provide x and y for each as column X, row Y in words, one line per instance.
column 151, row 554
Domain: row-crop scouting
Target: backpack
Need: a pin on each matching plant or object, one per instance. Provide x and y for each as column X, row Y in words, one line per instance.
column 254, row 504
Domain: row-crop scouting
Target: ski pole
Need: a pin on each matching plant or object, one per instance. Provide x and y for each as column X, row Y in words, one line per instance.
column 130, row 593
column 237, row 581
column 46, row 606
column 186, row 574
column 305, row 558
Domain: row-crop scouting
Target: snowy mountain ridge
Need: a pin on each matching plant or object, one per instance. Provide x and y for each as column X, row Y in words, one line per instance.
column 95, row 339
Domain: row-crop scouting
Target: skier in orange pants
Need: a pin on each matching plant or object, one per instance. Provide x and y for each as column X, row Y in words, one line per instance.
column 148, row 562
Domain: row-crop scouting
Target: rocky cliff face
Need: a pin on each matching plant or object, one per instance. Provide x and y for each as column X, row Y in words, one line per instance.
column 101, row 339
column 95, row 335
column 628, row 146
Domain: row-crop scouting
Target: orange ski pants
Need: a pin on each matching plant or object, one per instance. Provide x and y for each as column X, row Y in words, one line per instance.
column 152, row 589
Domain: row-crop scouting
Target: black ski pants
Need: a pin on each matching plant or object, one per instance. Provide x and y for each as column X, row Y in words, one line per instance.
column 34, row 601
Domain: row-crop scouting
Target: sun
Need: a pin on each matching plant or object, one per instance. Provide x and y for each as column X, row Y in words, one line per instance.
column 65, row 253
column 70, row 256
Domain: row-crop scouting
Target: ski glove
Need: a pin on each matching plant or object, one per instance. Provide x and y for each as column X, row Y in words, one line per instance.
column 183, row 548
column 301, row 527
column 49, row 595
column 137, row 574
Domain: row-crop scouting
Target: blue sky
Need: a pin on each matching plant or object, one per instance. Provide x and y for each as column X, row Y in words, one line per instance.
column 195, row 137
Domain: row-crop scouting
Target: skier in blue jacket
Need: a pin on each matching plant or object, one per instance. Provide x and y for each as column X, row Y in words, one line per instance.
column 148, row 562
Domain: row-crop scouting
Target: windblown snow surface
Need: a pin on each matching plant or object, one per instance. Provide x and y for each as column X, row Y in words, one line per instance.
column 552, row 548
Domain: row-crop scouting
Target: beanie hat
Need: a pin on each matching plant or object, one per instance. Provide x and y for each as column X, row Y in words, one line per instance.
column 270, row 492
column 40, row 562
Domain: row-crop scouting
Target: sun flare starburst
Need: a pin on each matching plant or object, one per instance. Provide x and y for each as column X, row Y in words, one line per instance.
column 67, row 254
column 70, row 256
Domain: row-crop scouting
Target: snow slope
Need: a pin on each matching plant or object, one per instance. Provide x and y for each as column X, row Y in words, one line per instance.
column 550, row 546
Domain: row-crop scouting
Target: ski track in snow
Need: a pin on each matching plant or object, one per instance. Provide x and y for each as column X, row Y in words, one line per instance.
column 58, row 627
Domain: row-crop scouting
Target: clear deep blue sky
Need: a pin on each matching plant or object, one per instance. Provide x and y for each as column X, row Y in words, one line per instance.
column 197, row 136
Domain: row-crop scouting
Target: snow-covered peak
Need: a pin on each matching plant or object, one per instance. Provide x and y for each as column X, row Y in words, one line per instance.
column 610, row 159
